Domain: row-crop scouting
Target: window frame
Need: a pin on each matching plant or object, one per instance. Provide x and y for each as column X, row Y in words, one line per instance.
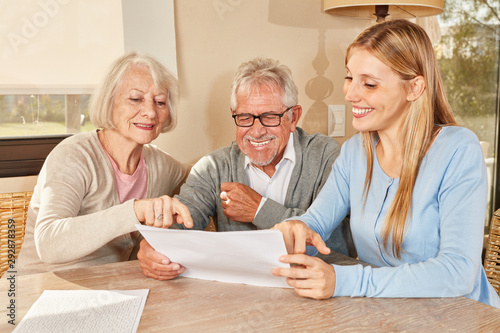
column 496, row 169
column 24, row 156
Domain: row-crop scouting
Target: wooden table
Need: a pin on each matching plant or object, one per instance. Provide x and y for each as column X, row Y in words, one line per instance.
column 192, row 305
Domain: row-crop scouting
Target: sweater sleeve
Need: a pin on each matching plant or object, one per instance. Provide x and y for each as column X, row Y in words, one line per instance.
column 62, row 232
column 273, row 212
column 452, row 272
column 199, row 192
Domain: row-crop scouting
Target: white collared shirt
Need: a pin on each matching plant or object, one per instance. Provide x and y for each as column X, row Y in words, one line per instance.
column 274, row 187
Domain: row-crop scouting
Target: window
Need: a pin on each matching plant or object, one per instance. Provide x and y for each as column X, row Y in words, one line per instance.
column 468, row 56
column 56, row 53
column 31, row 125
column 32, row 115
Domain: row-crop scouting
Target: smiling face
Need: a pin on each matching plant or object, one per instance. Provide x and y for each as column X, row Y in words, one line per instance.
column 378, row 96
column 139, row 108
column 265, row 145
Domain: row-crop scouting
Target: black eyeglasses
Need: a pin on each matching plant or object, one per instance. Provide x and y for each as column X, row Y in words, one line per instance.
column 266, row 119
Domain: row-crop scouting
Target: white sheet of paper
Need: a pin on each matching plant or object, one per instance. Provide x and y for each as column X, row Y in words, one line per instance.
column 232, row 256
column 85, row 311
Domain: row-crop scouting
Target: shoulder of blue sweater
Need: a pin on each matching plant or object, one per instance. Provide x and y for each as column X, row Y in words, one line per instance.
column 458, row 130
column 457, row 135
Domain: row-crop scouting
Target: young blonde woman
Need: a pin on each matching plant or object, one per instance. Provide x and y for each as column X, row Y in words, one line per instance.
column 413, row 181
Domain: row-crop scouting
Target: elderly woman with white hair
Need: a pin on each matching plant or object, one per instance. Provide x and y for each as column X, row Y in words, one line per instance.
column 95, row 187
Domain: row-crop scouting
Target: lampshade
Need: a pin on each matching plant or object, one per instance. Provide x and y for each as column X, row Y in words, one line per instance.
column 369, row 9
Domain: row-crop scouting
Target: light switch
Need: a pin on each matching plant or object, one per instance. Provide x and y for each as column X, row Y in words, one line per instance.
column 336, row 120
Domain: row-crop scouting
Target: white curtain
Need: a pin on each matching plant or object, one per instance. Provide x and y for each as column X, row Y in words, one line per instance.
column 65, row 46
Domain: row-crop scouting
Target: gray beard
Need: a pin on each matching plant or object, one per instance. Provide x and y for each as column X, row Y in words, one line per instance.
column 263, row 163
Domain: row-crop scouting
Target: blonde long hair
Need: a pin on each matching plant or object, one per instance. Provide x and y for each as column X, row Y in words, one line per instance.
column 407, row 50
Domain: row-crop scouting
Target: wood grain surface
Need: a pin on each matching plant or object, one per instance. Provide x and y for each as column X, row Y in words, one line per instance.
column 193, row 305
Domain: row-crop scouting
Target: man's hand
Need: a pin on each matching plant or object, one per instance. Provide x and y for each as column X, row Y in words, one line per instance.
column 297, row 235
column 239, row 201
column 155, row 265
column 162, row 212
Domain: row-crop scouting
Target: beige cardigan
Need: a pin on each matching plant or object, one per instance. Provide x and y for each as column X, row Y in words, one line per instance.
column 75, row 217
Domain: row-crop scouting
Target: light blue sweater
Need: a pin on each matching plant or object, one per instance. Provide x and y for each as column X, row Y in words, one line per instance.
column 442, row 248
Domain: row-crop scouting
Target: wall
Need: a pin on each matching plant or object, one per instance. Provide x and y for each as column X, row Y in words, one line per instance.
column 17, row 184
column 215, row 36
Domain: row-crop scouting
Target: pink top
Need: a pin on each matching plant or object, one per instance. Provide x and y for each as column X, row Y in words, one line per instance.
column 131, row 186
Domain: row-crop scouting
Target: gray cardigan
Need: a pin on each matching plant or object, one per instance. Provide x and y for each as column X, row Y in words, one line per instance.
column 315, row 155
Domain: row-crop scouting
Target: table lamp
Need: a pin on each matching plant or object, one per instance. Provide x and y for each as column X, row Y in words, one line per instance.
column 369, row 9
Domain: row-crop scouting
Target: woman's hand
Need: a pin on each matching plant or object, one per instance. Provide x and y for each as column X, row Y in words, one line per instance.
column 297, row 235
column 162, row 212
column 309, row 276
column 155, row 265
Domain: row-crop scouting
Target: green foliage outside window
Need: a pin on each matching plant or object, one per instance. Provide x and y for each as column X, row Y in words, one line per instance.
column 29, row 115
column 468, row 58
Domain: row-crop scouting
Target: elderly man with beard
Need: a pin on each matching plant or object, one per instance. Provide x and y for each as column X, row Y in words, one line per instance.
column 273, row 170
